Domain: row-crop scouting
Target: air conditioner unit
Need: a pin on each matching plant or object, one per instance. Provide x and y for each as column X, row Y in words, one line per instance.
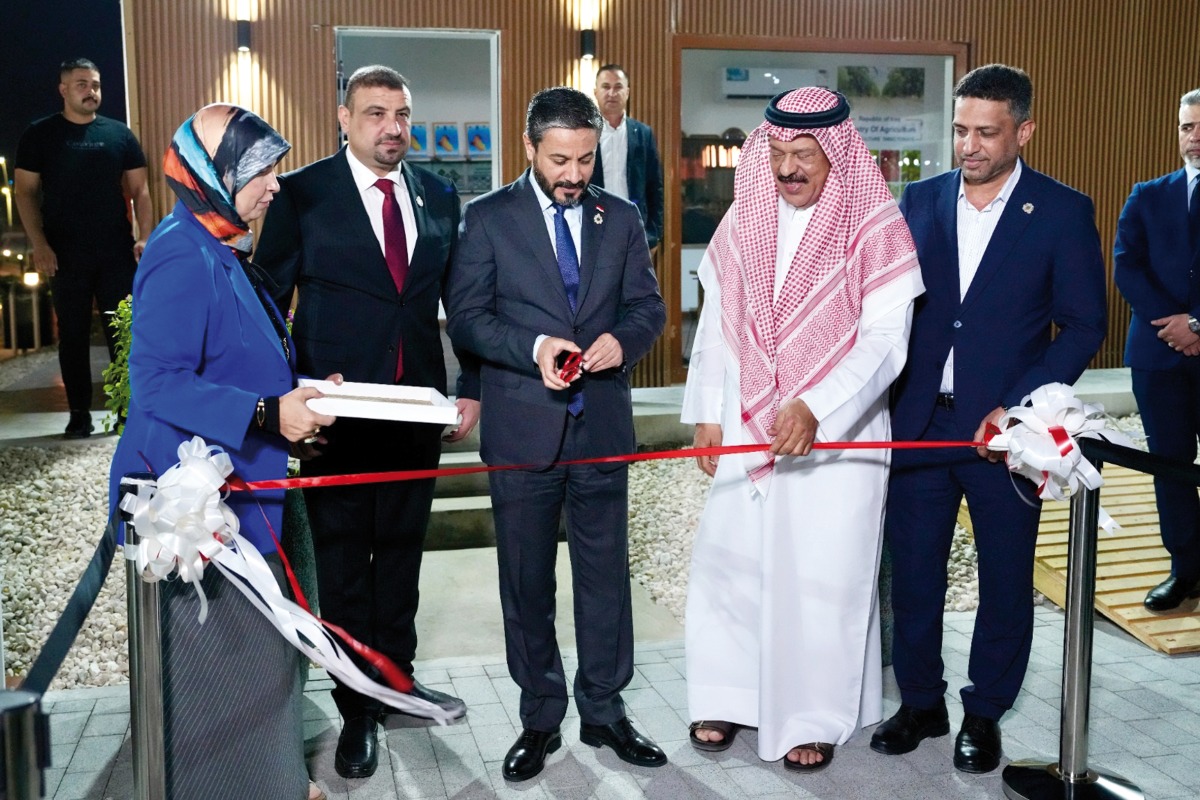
column 766, row 82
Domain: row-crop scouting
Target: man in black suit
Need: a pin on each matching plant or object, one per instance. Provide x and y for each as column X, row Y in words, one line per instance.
column 367, row 238
column 1156, row 264
column 547, row 267
column 627, row 162
column 1005, row 251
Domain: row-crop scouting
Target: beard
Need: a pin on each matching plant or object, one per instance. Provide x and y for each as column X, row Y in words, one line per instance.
column 549, row 188
column 390, row 159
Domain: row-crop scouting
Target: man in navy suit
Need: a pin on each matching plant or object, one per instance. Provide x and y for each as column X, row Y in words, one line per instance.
column 366, row 238
column 1156, row 264
column 1006, row 253
column 547, row 267
column 627, row 162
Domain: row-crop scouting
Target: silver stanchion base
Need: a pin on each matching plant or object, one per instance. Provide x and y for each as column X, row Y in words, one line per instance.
column 1036, row 780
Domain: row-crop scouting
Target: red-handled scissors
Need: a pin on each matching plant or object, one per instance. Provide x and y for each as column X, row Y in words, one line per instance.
column 571, row 367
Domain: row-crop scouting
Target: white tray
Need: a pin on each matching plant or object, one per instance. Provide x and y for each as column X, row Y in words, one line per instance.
column 381, row 401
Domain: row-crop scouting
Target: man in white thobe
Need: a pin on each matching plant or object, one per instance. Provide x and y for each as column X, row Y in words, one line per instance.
column 809, row 285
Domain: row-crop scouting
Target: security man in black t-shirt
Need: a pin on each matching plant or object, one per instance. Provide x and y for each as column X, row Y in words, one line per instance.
column 75, row 175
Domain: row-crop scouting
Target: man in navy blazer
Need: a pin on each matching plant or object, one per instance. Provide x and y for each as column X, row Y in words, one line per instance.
column 327, row 235
column 1006, row 254
column 1156, row 264
column 547, row 267
column 627, row 162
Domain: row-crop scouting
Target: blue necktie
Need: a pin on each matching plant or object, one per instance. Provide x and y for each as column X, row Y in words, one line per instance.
column 1194, row 217
column 568, row 267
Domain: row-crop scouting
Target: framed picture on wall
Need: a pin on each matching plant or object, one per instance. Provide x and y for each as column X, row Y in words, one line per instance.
column 479, row 140
column 418, row 143
column 445, row 140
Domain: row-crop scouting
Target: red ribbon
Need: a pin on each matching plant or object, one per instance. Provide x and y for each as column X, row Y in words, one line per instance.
column 1062, row 439
column 658, row 455
column 392, row 674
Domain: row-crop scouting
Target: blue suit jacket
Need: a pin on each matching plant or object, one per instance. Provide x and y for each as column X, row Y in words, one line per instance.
column 1152, row 262
column 505, row 289
column 1043, row 265
column 643, row 175
column 204, row 351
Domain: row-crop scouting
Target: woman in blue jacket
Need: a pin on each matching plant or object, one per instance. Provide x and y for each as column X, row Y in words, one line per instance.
column 211, row 356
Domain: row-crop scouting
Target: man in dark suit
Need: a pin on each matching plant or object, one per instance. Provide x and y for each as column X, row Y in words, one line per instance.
column 627, row 162
column 1005, row 253
column 1156, row 264
column 367, row 238
column 547, row 267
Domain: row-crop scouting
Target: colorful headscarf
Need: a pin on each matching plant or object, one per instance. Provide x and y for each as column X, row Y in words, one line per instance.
column 213, row 155
column 855, row 243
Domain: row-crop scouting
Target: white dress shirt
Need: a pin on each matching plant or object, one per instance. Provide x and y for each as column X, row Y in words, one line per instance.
column 1193, row 175
column 574, row 217
column 372, row 198
column 975, row 229
column 614, row 152
column 793, row 222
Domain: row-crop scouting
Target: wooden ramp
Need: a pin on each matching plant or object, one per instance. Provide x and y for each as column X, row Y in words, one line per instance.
column 1130, row 562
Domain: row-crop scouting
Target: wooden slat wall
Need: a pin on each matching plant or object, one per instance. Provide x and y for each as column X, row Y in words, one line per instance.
column 1107, row 75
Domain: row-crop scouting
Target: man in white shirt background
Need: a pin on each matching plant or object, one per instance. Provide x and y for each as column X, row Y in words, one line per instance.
column 627, row 162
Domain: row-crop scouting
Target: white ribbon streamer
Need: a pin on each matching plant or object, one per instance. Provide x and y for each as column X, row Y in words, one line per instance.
column 183, row 521
column 1040, row 438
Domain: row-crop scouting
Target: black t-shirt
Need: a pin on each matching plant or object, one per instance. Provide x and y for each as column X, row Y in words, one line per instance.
column 81, row 166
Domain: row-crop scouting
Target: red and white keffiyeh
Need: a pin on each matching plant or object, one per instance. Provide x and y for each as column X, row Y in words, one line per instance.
column 855, row 243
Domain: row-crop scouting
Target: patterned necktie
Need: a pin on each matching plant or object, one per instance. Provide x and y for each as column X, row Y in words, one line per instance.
column 568, row 267
column 1194, row 217
column 395, row 249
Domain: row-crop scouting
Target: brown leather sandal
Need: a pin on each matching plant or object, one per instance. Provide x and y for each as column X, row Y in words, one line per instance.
column 728, row 731
column 824, row 748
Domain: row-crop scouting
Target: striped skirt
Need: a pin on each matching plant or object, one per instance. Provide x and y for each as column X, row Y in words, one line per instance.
column 231, row 698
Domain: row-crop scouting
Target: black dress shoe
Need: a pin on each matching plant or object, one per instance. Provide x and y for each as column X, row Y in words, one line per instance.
column 626, row 742
column 79, row 426
column 908, row 726
column 528, row 754
column 977, row 748
column 1171, row 593
column 456, row 707
column 357, row 750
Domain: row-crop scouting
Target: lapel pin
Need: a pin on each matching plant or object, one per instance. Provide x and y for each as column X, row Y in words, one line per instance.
column 1027, row 208
column 420, row 201
column 599, row 218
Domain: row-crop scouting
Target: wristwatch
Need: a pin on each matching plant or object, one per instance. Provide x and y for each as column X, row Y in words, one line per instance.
column 1193, row 324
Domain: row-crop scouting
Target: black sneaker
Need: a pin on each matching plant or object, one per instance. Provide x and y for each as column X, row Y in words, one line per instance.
column 80, row 426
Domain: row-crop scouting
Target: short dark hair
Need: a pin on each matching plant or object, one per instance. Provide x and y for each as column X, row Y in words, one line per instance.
column 373, row 77
column 560, row 107
column 67, row 67
column 999, row 82
column 612, row 68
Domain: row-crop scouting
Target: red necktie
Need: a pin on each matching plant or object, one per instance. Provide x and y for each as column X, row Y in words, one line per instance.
column 395, row 249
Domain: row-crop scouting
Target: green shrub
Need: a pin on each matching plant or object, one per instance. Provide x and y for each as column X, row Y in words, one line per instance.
column 116, row 374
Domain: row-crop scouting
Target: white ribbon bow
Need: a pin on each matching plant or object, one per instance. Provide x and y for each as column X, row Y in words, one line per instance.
column 1042, row 444
column 183, row 521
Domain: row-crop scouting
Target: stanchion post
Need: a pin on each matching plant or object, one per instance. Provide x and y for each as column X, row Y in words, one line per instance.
column 1078, row 628
column 1070, row 778
column 26, row 744
column 145, row 672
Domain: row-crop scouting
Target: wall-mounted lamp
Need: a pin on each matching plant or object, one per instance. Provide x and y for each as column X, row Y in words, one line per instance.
column 32, row 279
column 243, row 35
column 587, row 44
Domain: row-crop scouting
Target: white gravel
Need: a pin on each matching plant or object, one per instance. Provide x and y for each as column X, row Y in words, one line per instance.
column 54, row 502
